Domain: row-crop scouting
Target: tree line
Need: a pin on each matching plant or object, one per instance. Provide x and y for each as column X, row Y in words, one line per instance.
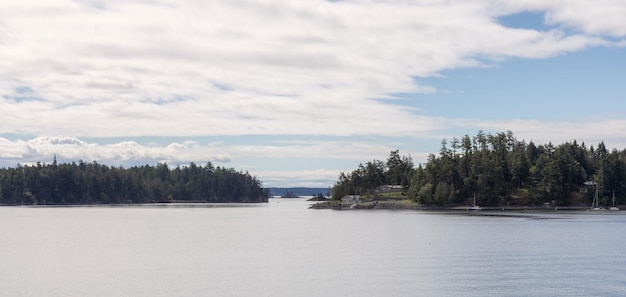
column 93, row 183
column 396, row 170
column 500, row 170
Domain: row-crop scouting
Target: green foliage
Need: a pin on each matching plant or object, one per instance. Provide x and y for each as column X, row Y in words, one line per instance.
column 93, row 183
column 499, row 170
column 397, row 170
column 319, row 197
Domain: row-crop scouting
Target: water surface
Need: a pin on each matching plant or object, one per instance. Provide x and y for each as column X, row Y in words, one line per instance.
column 284, row 249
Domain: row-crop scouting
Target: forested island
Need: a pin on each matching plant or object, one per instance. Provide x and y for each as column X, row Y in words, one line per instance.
column 93, row 183
column 289, row 194
column 496, row 169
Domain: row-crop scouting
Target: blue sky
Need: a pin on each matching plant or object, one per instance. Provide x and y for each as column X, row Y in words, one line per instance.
column 577, row 85
column 296, row 92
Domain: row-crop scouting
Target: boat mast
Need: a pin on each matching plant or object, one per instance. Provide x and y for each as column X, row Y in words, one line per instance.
column 613, row 198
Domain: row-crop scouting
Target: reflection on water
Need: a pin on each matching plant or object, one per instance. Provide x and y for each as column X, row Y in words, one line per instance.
column 199, row 205
column 156, row 205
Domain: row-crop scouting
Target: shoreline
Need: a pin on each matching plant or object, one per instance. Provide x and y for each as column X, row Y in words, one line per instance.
column 466, row 208
column 164, row 203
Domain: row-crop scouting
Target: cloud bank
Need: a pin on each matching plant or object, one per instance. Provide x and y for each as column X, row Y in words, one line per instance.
column 130, row 153
column 137, row 68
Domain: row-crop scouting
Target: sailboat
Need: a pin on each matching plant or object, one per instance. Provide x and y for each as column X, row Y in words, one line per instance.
column 595, row 204
column 474, row 206
column 614, row 207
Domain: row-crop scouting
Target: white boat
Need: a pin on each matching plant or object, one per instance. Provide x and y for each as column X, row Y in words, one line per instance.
column 474, row 206
column 614, row 207
column 595, row 204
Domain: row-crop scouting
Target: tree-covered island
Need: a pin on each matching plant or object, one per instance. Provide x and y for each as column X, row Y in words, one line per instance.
column 497, row 169
column 289, row 194
column 93, row 183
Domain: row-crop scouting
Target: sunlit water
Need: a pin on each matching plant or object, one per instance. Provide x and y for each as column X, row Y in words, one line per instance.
column 284, row 249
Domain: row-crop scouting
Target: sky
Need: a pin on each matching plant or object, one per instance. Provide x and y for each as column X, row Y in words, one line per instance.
column 295, row 92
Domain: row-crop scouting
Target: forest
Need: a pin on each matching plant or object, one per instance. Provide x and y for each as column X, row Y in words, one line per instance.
column 498, row 170
column 93, row 183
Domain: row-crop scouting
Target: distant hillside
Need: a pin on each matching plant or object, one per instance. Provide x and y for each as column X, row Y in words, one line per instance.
column 300, row 191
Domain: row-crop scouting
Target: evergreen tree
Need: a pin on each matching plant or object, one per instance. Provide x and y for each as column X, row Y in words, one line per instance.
column 93, row 183
column 499, row 170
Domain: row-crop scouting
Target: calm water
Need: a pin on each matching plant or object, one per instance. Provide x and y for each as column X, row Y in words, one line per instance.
column 284, row 249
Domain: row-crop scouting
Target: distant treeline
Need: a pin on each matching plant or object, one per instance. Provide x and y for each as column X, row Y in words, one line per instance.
column 298, row 191
column 499, row 170
column 93, row 183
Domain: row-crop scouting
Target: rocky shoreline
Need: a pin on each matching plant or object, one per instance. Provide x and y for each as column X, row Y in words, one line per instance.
column 404, row 204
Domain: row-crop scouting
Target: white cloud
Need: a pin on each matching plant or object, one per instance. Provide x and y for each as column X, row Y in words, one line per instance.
column 606, row 17
column 137, row 68
column 130, row 152
column 44, row 149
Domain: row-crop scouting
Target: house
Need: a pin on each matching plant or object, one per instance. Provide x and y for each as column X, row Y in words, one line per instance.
column 389, row 189
column 350, row 200
column 588, row 184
